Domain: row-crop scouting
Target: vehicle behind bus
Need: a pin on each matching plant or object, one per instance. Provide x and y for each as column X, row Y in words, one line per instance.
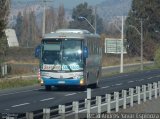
column 70, row 57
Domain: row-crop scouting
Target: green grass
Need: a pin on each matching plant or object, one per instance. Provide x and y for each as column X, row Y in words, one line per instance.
column 150, row 67
column 145, row 68
column 16, row 83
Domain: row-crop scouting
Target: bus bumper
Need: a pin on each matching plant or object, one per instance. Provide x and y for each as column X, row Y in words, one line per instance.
column 58, row 82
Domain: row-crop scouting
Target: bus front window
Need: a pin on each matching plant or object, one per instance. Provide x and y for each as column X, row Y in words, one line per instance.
column 51, row 54
column 72, row 55
column 62, row 54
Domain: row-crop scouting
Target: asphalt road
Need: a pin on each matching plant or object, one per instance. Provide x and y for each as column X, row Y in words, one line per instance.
column 35, row 98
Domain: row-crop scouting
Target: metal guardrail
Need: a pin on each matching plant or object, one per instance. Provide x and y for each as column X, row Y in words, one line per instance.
column 94, row 106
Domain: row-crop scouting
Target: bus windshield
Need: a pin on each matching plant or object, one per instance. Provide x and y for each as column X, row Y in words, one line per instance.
column 62, row 54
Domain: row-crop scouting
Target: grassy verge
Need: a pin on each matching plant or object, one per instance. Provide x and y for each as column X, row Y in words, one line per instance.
column 136, row 69
column 16, row 83
column 150, row 67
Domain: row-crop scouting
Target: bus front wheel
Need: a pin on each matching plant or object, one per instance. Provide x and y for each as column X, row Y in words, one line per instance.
column 83, row 88
column 95, row 85
column 47, row 88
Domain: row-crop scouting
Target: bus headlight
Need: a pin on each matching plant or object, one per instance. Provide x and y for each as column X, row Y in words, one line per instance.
column 42, row 82
column 82, row 82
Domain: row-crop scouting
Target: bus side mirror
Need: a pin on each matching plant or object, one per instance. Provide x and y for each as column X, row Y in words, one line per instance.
column 85, row 52
column 38, row 51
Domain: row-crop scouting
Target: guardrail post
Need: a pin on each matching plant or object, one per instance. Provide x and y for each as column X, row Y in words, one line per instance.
column 46, row 113
column 116, row 98
column 88, row 108
column 144, row 92
column 131, row 96
column 75, row 108
column 3, row 70
column 124, row 95
column 88, row 93
column 88, row 103
column 108, row 100
column 98, row 102
column 106, row 97
column 159, row 87
column 138, row 90
column 29, row 115
column 85, row 103
column 155, row 89
column 62, row 111
column 150, row 91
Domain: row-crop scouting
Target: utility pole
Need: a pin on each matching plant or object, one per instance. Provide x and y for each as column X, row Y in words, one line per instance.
column 44, row 17
column 95, row 20
column 122, row 37
column 141, row 44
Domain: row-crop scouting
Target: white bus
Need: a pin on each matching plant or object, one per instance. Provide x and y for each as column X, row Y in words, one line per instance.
column 70, row 57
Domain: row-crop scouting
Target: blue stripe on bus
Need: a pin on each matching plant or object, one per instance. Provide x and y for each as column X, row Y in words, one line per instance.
column 56, row 82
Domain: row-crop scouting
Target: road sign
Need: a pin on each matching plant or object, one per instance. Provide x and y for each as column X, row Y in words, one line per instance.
column 113, row 46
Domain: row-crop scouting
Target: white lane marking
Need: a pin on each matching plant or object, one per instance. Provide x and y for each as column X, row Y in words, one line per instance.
column 118, row 84
column 7, row 109
column 150, row 78
column 148, row 71
column 70, row 94
column 20, row 105
column 19, row 92
column 105, row 87
column 47, row 99
column 130, row 81
column 157, row 76
column 141, row 79
column 118, row 77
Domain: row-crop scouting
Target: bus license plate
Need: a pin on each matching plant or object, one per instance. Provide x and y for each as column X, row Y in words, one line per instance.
column 61, row 82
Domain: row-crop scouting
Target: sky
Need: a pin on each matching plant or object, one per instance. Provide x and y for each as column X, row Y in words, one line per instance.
column 67, row 3
column 74, row 3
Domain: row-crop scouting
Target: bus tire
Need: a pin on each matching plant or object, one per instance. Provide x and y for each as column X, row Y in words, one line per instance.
column 83, row 88
column 47, row 88
column 95, row 85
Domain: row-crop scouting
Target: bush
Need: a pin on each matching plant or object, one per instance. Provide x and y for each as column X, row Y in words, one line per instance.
column 157, row 57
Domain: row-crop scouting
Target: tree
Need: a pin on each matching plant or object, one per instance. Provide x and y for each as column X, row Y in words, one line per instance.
column 33, row 29
column 51, row 20
column 85, row 11
column 19, row 27
column 148, row 12
column 26, row 28
column 4, row 11
column 61, row 17
column 157, row 57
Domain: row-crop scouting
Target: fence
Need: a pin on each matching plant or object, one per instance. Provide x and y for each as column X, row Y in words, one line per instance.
column 3, row 70
column 97, row 105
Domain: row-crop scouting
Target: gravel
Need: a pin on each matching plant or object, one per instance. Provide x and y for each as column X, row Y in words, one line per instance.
column 150, row 106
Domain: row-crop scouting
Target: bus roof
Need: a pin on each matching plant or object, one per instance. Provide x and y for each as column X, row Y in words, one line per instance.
column 70, row 33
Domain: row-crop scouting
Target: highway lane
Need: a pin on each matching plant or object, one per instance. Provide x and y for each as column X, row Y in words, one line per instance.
column 35, row 98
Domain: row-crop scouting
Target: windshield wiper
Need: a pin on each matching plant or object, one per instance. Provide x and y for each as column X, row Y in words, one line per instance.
column 66, row 63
